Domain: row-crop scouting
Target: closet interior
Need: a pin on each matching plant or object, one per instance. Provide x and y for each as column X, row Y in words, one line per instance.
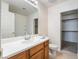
column 70, row 30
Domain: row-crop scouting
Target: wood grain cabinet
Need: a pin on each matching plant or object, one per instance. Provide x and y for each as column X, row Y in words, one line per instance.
column 47, row 52
column 39, row 55
column 40, row 51
column 22, row 55
column 46, row 49
column 36, row 49
column 47, row 43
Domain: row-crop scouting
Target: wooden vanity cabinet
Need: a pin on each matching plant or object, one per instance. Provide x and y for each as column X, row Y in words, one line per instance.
column 40, row 51
column 22, row 55
column 36, row 49
column 39, row 55
column 46, row 50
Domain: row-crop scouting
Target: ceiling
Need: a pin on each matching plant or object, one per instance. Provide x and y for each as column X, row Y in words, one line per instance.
column 21, row 7
column 49, row 3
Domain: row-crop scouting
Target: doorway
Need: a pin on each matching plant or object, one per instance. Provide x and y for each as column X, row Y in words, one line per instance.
column 36, row 26
column 69, row 32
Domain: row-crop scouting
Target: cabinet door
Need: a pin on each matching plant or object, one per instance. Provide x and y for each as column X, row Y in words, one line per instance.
column 39, row 55
column 35, row 49
column 23, row 55
column 47, row 52
column 47, row 43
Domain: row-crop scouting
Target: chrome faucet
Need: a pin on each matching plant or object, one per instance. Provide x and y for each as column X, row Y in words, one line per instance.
column 27, row 36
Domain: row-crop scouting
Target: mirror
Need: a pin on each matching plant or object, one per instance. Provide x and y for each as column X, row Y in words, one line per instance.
column 19, row 17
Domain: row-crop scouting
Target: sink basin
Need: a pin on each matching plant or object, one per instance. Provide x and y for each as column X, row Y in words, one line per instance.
column 27, row 41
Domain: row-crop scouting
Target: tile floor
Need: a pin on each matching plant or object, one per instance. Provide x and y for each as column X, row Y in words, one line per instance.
column 65, row 55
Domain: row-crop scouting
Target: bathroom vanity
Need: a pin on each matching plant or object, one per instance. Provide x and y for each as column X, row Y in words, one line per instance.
column 38, row 52
column 33, row 50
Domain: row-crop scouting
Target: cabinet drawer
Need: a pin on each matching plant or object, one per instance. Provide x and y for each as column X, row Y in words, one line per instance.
column 47, row 43
column 36, row 49
column 22, row 55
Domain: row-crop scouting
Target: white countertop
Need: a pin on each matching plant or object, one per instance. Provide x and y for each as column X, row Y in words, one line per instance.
column 13, row 48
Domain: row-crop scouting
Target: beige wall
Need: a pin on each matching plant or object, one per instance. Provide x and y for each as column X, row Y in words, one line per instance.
column 43, row 19
column 54, row 19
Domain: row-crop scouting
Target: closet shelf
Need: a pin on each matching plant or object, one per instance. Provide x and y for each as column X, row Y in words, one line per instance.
column 68, row 14
column 69, row 31
column 69, row 19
